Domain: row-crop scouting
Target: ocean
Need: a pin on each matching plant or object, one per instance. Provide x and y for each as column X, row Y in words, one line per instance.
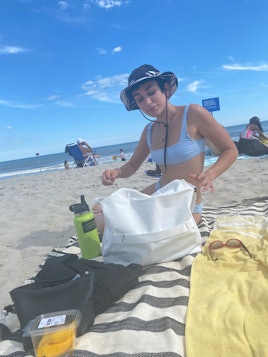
column 44, row 163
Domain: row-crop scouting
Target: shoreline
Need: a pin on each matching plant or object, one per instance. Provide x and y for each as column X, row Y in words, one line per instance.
column 209, row 160
column 35, row 216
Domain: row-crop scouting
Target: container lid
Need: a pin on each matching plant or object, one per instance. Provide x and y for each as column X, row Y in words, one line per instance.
column 54, row 321
column 80, row 207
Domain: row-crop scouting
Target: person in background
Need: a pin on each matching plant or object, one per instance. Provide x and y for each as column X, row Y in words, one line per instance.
column 154, row 173
column 84, row 147
column 175, row 139
column 254, row 130
column 122, row 155
column 86, row 150
column 66, row 166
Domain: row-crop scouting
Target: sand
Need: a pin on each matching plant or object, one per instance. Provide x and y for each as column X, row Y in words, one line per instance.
column 35, row 216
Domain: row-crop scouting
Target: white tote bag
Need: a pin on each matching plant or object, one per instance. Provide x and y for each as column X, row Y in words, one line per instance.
column 149, row 229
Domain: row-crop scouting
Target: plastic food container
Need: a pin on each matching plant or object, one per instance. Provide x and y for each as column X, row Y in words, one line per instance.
column 53, row 334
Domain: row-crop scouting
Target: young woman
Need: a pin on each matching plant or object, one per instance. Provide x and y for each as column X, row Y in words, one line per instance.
column 254, row 130
column 175, row 138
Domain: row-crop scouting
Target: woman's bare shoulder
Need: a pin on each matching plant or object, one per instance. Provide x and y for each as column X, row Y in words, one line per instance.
column 197, row 109
column 198, row 115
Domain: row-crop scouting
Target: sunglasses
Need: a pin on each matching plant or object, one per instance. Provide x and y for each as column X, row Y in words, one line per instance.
column 230, row 243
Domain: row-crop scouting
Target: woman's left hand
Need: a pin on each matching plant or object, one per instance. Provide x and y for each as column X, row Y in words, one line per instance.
column 203, row 181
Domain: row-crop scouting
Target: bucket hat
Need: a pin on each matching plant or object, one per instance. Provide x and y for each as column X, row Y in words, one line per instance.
column 141, row 74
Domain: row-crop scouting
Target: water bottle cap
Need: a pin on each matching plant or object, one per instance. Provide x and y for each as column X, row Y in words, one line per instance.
column 80, row 207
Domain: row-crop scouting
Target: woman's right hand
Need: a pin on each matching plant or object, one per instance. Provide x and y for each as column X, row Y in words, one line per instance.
column 109, row 176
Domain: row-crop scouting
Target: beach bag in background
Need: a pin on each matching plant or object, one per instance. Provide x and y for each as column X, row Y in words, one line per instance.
column 148, row 229
column 43, row 297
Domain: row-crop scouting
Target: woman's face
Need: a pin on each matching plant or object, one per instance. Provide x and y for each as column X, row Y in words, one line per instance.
column 149, row 98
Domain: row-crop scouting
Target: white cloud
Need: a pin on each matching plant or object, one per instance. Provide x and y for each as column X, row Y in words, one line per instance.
column 62, row 13
column 53, row 97
column 231, row 58
column 86, row 5
column 9, row 127
column 64, row 5
column 101, row 51
column 240, row 67
column 117, row 49
column 65, row 104
column 18, row 105
column 194, row 86
column 106, row 89
column 108, row 4
column 101, row 96
column 56, row 100
column 11, row 50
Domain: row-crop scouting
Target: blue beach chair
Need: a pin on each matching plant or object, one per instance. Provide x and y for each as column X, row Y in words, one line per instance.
column 79, row 158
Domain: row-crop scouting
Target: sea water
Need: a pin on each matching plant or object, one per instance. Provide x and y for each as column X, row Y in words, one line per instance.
column 53, row 162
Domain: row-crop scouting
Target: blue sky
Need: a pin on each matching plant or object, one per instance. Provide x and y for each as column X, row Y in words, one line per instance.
column 64, row 63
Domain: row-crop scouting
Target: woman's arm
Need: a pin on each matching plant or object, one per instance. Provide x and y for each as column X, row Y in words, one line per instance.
column 140, row 154
column 88, row 146
column 209, row 128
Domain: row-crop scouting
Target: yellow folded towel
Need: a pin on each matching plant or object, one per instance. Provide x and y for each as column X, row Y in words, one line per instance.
column 227, row 313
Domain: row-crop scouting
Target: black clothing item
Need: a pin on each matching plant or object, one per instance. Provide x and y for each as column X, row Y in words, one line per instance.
column 111, row 281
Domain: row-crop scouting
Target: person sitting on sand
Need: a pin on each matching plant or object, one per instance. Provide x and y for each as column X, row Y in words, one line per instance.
column 66, row 165
column 175, row 139
column 84, row 147
column 254, row 129
column 86, row 150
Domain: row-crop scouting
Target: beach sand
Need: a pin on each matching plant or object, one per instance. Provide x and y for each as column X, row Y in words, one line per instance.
column 35, row 216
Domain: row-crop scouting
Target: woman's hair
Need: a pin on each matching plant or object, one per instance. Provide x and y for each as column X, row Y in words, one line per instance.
column 256, row 121
column 159, row 81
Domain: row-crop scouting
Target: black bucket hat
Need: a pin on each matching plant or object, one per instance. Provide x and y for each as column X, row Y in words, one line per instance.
column 143, row 73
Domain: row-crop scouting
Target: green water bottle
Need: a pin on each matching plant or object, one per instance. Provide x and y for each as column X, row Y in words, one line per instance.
column 86, row 231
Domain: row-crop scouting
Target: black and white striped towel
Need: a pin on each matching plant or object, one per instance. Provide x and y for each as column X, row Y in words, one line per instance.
column 150, row 319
